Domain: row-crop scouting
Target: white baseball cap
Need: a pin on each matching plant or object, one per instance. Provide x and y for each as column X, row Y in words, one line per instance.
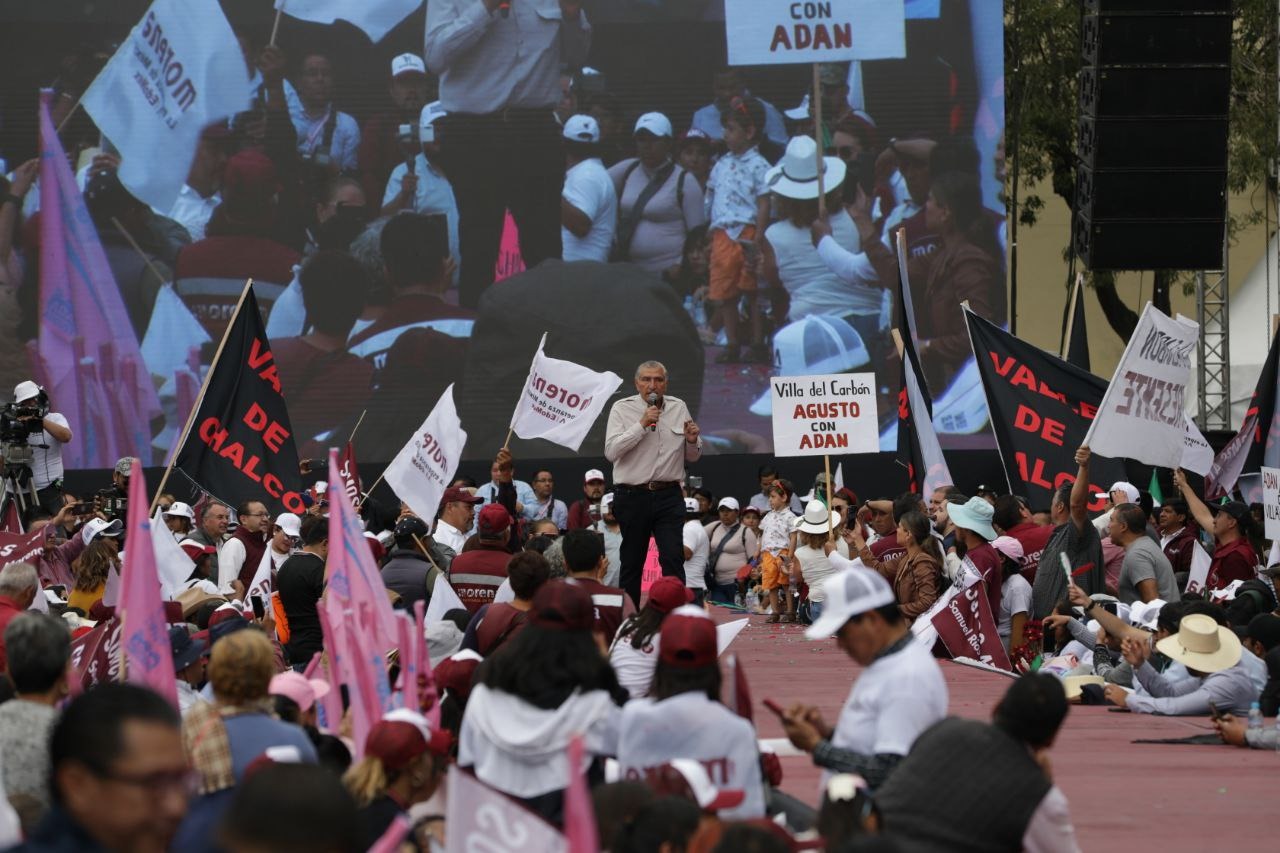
column 799, row 112
column 582, row 128
column 593, row 475
column 729, row 503
column 1129, row 489
column 178, row 509
column 606, row 501
column 849, row 594
column 1145, row 614
column 96, row 527
column 814, row 345
column 408, row 63
column 691, row 505
column 710, row 797
column 290, row 524
column 655, row 123
column 25, row 391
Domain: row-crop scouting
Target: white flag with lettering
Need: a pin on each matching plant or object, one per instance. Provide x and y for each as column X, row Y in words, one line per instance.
column 561, row 400
column 1141, row 414
column 424, row 467
column 180, row 70
column 375, row 17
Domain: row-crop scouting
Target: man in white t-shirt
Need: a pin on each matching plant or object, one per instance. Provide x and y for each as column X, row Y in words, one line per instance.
column 588, row 202
column 899, row 694
column 697, row 550
column 46, row 444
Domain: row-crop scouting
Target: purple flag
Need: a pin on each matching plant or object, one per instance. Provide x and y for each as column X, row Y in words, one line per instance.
column 144, row 635
column 79, row 302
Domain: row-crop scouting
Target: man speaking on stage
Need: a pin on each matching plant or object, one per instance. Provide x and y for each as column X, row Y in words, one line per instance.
column 649, row 439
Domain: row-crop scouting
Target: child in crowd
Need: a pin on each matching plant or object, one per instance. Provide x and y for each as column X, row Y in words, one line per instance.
column 737, row 201
column 777, row 544
column 750, row 580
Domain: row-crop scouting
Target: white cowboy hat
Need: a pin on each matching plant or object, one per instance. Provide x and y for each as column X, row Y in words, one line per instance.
column 796, row 175
column 1202, row 644
column 814, row 519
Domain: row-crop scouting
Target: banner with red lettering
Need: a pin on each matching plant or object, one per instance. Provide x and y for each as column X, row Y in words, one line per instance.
column 1041, row 408
column 21, row 548
column 1141, row 414
column 480, row 818
column 350, row 474
column 967, row 628
column 240, row 445
column 95, row 656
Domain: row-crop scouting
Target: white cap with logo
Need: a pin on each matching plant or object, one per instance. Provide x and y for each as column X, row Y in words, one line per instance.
column 655, row 123
column 849, row 594
column 595, row 475
column 408, row 63
column 582, row 128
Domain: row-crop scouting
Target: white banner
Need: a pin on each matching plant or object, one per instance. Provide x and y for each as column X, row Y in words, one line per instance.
column 481, row 819
column 260, row 583
column 1271, row 502
column 424, row 467
column 173, row 566
column 1198, row 576
column 815, row 415
column 774, row 32
column 180, row 70
column 561, row 400
column 1197, row 453
column 1141, row 414
column 375, row 17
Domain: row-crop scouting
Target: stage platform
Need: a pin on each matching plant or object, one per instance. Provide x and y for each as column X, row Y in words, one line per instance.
column 1123, row 795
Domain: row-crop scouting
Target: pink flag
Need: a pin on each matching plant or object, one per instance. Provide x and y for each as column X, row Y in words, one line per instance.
column 351, row 575
column 430, row 694
column 579, row 815
column 144, row 636
column 344, row 659
column 79, row 299
column 329, row 708
column 389, row 841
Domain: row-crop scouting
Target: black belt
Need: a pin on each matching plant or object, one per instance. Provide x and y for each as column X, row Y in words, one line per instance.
column 651, row 486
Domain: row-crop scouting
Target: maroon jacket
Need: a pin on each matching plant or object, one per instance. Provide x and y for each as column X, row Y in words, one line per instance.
column 612, row 606
column 501, row 622
column 255, row 545
column 476, row 575
column 580, row 514
column 1182, row 547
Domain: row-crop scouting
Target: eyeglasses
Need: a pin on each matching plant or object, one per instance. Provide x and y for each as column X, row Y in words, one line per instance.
column 257, row 515
column 160, row 782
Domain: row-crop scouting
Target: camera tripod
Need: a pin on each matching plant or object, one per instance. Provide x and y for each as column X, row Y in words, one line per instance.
column 17, row 486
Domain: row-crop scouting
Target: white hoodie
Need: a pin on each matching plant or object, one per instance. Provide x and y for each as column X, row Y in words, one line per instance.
column 520, row 749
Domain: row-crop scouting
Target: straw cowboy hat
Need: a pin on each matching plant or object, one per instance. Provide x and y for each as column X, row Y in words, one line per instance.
column 1202, row 644
column 814, row 519
column 796, row 175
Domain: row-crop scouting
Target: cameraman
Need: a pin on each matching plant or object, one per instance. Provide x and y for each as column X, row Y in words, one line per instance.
column 113, row 502
column 32, row 404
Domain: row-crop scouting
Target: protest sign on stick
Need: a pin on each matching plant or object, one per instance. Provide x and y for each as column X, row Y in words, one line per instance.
column 1141, row 414
column 1271, row 502
column 967, row 628
column 776, row 32
column 815, row 415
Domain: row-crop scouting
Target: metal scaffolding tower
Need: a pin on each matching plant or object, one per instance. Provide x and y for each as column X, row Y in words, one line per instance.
column 1213, row 356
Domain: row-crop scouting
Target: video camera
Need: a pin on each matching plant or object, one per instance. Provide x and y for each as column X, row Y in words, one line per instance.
column 113, row 503
column 17, row 422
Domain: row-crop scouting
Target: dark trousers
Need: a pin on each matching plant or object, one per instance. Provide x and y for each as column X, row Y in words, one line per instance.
column 641, row 514
column 496, row 162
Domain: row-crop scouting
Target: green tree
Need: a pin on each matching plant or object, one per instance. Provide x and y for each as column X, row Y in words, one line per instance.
column 1042, row 55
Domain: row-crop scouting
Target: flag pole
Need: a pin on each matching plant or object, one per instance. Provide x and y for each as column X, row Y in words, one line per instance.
column 826, row 466
column 276, row 26
column 511, row 430
column 146, row 259
column 817, row 138
column 352, row 437
column 204, row 386
column 1065, row 348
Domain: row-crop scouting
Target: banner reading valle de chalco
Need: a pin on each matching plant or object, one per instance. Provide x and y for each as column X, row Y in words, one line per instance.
column 240, row 445
column 1041, row 408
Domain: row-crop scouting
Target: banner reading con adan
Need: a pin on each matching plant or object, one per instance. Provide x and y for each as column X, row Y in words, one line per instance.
column 1041, row 408
column 240, row 444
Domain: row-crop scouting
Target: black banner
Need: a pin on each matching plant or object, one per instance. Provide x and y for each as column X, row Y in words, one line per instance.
column 1265, row 447
column 910, row 453
column 241, row 445
column 1041, row 408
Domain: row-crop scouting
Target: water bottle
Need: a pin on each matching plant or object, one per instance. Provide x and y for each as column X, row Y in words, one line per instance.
column 1255, row 718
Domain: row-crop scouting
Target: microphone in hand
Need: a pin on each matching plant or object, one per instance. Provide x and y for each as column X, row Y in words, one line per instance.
column 652, row 400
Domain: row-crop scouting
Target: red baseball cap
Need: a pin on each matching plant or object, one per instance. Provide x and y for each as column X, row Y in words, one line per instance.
column 562, row 606
column 454, row 493
column 685, row 777
column 688, row 638
column 455, row 672
column 668, row 593
column 195, row 550
column 403, row 735
column 494, row 518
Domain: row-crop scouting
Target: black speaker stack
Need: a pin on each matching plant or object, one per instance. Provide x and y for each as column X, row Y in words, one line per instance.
column 1151, row 182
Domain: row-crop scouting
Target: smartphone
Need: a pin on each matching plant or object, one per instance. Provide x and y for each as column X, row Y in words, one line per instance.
column 256, row 601
column 86, row 507
column 774, row 707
